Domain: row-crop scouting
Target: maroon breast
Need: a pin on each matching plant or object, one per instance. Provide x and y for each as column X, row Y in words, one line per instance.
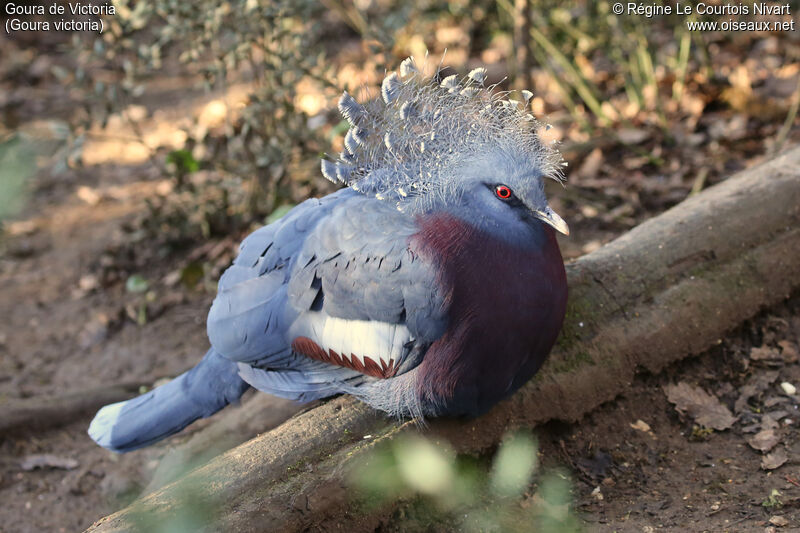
column 506, row 306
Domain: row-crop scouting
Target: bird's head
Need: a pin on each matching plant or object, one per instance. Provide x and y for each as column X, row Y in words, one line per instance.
column 432, row 145
column 501, row 193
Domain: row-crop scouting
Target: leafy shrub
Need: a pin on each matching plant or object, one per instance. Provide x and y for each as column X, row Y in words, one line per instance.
column 270, row 45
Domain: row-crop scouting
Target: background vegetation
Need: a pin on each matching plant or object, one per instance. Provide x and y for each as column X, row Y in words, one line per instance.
column 646, row 86
column 185, row 125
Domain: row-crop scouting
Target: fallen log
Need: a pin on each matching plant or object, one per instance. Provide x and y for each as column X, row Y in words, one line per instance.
column 255, row 415
column 55, row 411
column 669, row 288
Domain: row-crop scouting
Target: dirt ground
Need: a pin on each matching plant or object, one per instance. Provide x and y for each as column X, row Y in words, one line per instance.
column 71, row 321
column 670, row 477
column 59, row 334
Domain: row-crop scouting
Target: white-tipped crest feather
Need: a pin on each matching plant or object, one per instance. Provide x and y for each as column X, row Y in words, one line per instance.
column 408, row 67
column 352, row 111
column 329, row 170
column 350, row 141
column 527, row 95
column 478, row 75
column 450, row 82
column 407, row 145
column 407, row 110
column 390, row 88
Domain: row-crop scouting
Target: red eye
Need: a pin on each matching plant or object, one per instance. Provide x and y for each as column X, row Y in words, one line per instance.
column 502, row 192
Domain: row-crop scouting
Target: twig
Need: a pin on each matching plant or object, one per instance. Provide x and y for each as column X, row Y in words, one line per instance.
column 683, row 62
column 699, row 181
column 787, row 124
column 522, row 24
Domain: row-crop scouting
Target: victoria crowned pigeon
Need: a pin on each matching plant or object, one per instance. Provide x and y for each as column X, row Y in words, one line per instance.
column 432, row 284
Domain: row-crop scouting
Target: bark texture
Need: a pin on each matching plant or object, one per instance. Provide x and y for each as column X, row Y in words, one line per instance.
column 669, row 288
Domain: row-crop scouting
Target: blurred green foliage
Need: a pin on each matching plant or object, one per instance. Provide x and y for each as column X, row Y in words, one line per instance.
column 463, row 493
column 136, row 284
column 567, row 38
column 182, row 163
column 266, row 152
column 202, row 205
column 271, row 44
column 17, row 164
column 194, row 512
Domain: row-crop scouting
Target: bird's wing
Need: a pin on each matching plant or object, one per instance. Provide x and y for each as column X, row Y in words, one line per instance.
column 250, row 315
column 330, row 295
column 365, row 298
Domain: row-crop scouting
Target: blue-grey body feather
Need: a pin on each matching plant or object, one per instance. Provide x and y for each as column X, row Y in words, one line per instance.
column 352, row 249
column 346, row 252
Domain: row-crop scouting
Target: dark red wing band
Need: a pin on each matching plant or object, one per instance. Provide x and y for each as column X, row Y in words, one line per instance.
column 309, row 348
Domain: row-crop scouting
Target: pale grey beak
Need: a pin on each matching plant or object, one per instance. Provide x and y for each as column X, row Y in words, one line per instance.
column 548, row 216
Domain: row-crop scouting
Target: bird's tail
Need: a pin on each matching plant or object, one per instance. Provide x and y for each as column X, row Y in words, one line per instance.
column 165, row 410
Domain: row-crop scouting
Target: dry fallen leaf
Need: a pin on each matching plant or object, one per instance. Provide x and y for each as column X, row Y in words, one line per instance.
column 754, row 387
column 633, row 163
column 770, row 420
column 591, row 164
column 31, row 462
column 764, row 440
column 778, row 521
column 633, row 135
column 643, row 426
column 89, row 195
column 697, row 403
column 765, row 353
column 773, row 460
column 789, row 351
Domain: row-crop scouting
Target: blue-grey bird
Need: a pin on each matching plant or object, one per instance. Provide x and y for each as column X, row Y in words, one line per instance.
column 432, row 284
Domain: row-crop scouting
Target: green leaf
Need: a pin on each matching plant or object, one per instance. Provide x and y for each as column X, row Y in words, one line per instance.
column 184, row 161
column 136, row 284
column 16, row 165
column 191, row 274
column 513, row 466
column 426, row 467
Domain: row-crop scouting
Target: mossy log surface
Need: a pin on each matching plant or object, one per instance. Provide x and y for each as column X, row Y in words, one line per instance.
column 669, row 288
